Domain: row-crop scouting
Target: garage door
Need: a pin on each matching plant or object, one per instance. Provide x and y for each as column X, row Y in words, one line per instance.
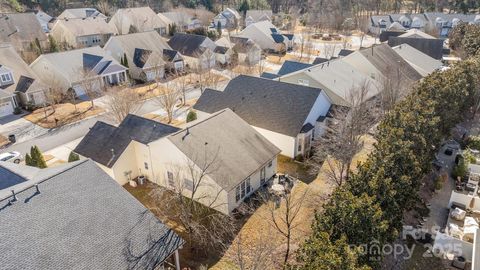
column 6, row 108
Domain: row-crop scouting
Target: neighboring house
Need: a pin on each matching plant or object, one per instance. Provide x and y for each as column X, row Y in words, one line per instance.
column 286, row 114
column 292, row 66
column 443, row 22
column 380, row 62
column 234, row 158
column 81, row 13
column 75, row 216
column 336, row 78
column 227, row 19
column 83, row 70
column 421, row 41
column 421, row 62
column 198, row 51
column 223, row 55
column 22, row 30
column 80, row 33
column 183, row 21
column 45, row 20
column 268, row 37
column 115, row 148
column 18, row 81
column 247, row 51
column 140, row 19
column 344, row 52
column 145, row 54
column 379, row 24
column 319, row 60
column 253, row 16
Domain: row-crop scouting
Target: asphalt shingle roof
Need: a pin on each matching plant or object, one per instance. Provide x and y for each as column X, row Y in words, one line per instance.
column 187, row 44
column 319, row 60
column 431, row 47
column 272, row 105
column 103, row 138
column 268, row 75
column 81, row 219
column 292, row 66
column 231, row 148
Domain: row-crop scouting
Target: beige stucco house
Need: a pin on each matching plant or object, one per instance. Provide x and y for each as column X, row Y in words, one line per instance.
column 220, row 159
column 84, row 32
column 139, row 19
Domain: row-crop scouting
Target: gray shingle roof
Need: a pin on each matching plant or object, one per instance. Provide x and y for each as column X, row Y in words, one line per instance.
column 187, row 44
column 345, row 52
column 272, row 105
column 231, row 148
column 20, row 28
column 292, row 66
column 431, row 47
column 81, row 219
column 268, row 75
column 319, row 60
column 103, row 138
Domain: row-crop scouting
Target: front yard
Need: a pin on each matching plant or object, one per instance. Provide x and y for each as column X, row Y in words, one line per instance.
column 64, row 114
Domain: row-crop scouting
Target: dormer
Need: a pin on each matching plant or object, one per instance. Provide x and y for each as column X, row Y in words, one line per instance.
column 6, row 76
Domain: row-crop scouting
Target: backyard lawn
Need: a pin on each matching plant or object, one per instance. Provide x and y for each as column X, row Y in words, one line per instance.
column 65, row 113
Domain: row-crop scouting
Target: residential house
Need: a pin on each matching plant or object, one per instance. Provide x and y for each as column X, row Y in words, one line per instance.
column 319, row 60
column 247, row 51
column 234, row 158
column 114, row 148
column 421, row 41
column 183, row 21
column 75, row 216
column 19, row 85
column 80, row 33
column 84, row 70
column 198, row 51
column 45, row 20
column 147, row 53
column 81, row 13
column 229, row 18
column 379, row 24
column 253, row 16
column 380, row 62
column 286, row 114
column 443, row 22
column 23, row 31
column 140, row 19
column 224, row 53
column 286, row 68
column 336, row 78
column 268, row 37
column 421, row 62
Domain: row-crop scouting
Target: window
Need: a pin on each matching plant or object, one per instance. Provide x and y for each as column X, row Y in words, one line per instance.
column 299, row 149
column 270, row 164
column 170, row 179
column 188, row 184
column 303, row 82
column 146, row 165
column 237, row 194
column 243, row 189
column 6, row 77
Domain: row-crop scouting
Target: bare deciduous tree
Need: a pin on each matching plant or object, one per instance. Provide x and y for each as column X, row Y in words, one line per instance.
column 167, row 99
column 122, row 102
column 91, row 83
column 53, row 95
column 391, row 89
column 342, row 138
column 193, row 201
column 284, row 216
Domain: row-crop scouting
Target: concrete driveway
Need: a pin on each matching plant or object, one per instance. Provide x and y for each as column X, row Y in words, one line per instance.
column 22, row 129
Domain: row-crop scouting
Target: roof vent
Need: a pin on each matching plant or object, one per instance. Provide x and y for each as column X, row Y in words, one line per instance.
column 37, row 190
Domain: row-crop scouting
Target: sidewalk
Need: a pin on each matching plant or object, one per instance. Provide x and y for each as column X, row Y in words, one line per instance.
column 60, row 154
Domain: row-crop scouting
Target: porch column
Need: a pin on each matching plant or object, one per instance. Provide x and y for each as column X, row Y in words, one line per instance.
column 177, row 260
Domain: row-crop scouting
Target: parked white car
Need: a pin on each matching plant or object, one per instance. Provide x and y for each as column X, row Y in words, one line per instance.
column 12, row 156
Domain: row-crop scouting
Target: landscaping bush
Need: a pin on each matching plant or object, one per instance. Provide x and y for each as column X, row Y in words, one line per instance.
column 473, row 142
column 35, row 158
column 17, row 110
column 460, row 170
column 73, row 157
column 191, row 116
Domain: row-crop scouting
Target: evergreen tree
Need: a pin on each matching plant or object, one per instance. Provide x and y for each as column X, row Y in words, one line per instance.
column 53, row 44
column 37, row 159
column 191, row 116
column 73, row 157
column 28, row 160
column 219, row 28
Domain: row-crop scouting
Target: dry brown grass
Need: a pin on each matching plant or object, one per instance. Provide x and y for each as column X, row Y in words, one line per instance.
column 3, row 141
column 163, row 119
column 65, row 114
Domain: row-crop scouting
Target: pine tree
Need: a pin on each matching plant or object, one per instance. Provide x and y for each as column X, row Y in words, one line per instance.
column 37, row 158
column 219, row 28
column 28, row 161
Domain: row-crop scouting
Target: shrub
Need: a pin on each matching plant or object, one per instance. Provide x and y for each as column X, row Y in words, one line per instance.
column 73, row 157
column 191, row 116
column 460, row 170
column 17, row 110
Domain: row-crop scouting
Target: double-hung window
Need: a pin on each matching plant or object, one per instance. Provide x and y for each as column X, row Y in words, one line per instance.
column 243, row 189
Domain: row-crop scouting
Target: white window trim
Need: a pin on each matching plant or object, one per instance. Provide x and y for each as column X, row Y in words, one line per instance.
column 8, row 75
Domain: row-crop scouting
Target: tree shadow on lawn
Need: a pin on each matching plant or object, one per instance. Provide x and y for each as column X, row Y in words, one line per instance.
column 297, row 169
column 192, row 254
